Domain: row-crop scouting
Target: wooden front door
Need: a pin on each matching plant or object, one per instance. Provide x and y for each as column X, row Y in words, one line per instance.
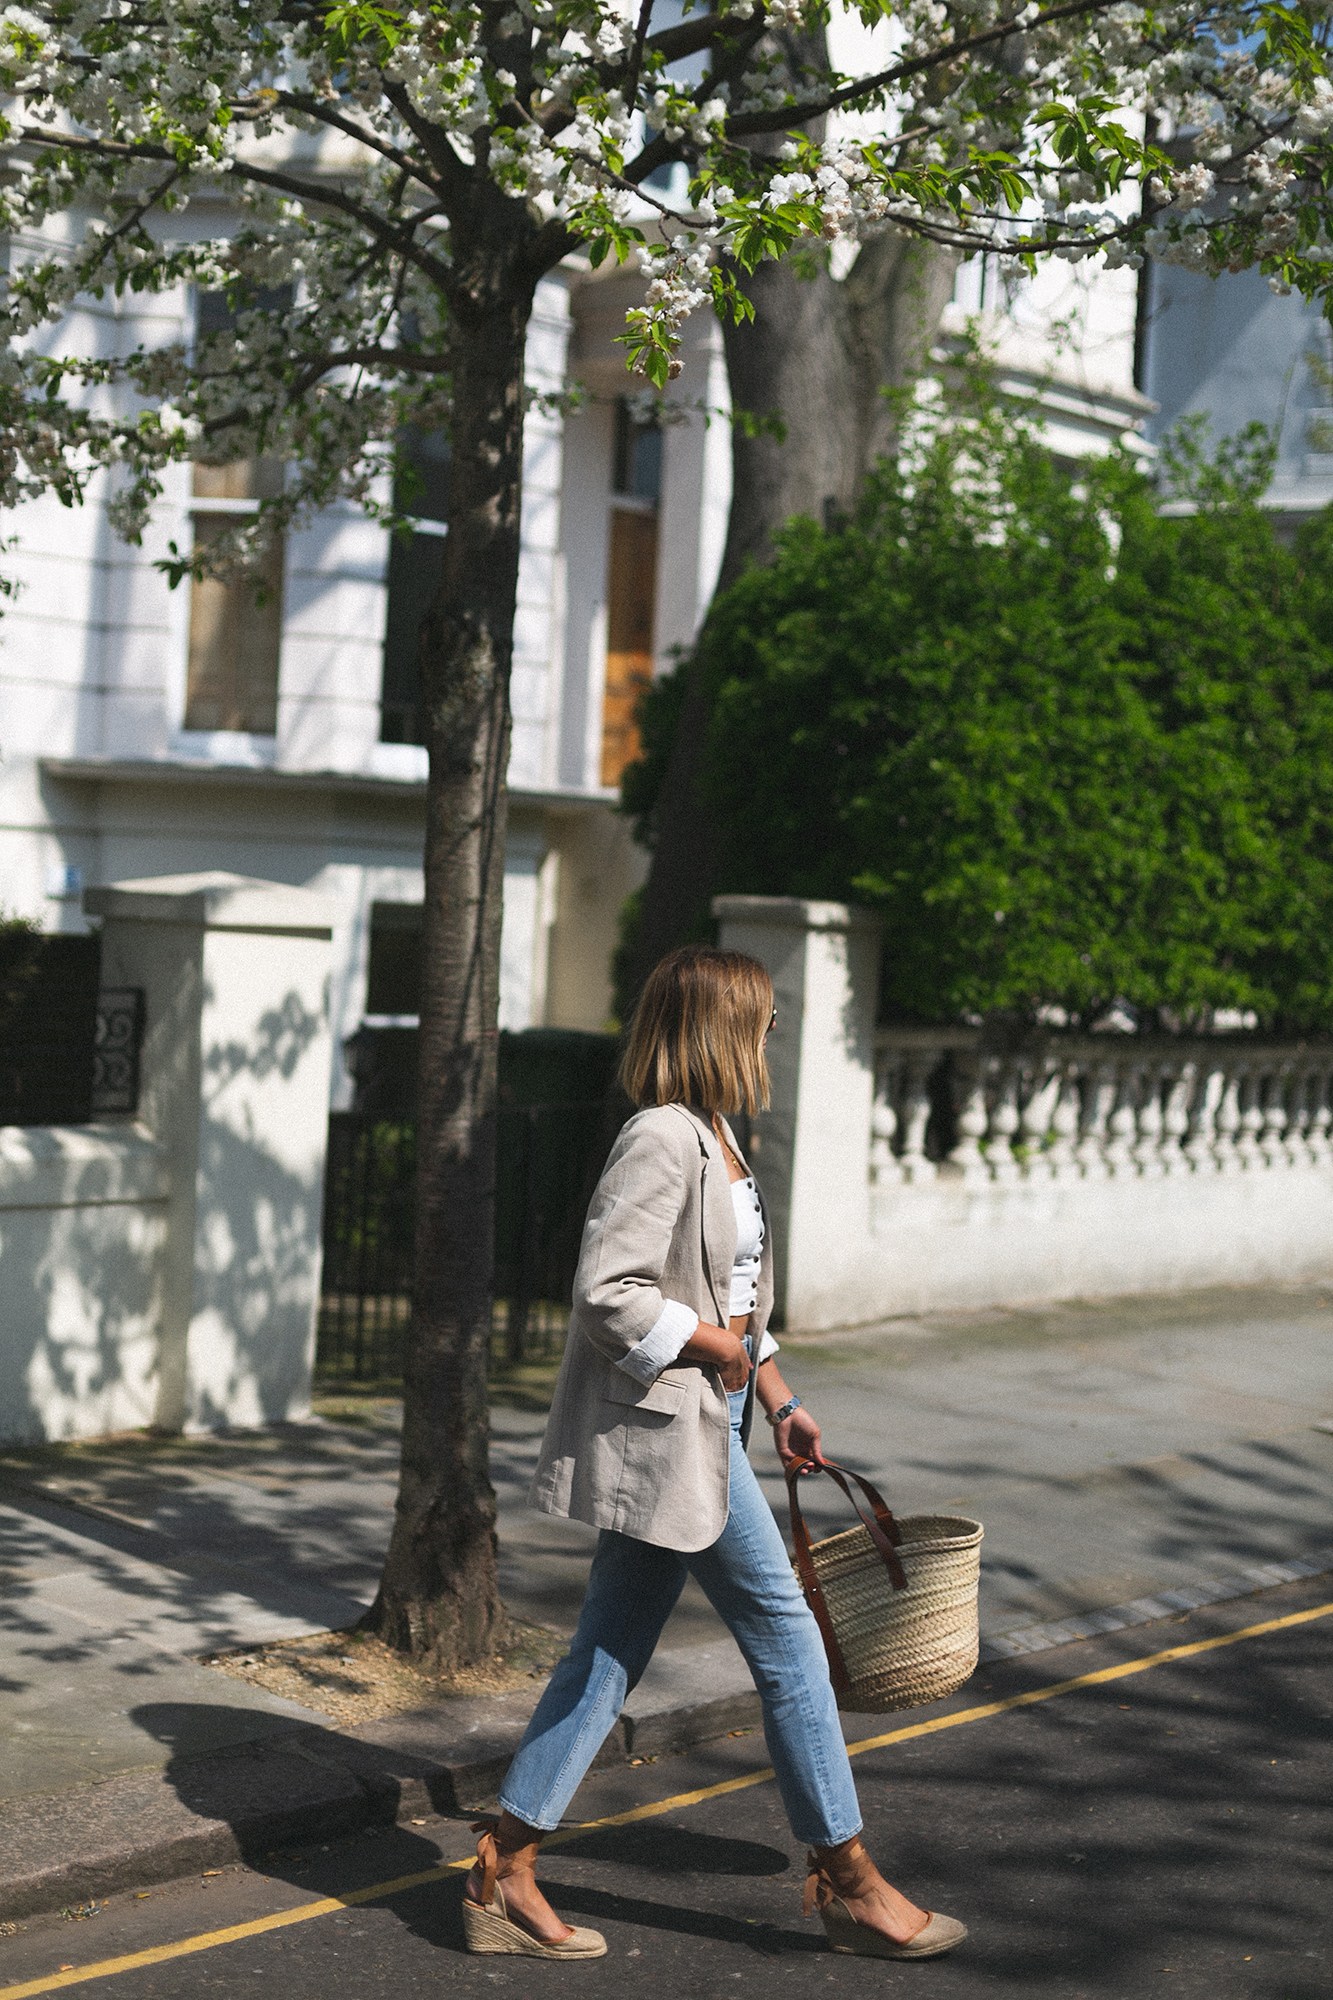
column 631, row 594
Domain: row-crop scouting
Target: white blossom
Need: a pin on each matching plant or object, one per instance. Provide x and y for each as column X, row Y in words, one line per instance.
column 1193, row 187
column 557, row 104
column 1315, row 116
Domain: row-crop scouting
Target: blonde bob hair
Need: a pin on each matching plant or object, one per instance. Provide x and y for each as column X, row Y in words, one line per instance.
column 697, row 1036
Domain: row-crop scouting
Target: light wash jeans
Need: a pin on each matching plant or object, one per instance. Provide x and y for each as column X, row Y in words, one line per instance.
column 747, row 1577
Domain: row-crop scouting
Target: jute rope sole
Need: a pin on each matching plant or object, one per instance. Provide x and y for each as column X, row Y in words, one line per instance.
column 844, row 1934
column 490, row 1930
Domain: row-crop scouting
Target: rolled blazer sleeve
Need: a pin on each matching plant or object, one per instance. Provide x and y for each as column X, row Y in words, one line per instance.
column 626, row 1241
column 670, row 1331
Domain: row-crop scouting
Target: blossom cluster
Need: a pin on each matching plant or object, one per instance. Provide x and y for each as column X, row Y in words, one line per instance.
column 336, row 155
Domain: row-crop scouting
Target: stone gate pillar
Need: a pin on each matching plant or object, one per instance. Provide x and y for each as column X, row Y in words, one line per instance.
column 235, row 1073
column 813, row 1152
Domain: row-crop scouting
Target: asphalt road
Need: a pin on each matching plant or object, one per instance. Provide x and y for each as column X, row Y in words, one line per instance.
column 1162, row 1831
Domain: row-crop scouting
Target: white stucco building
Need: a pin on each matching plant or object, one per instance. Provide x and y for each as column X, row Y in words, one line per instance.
column 1062, row 343
column 149, row 732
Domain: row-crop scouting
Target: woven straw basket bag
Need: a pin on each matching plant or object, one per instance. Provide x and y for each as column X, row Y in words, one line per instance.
column 895, row 1601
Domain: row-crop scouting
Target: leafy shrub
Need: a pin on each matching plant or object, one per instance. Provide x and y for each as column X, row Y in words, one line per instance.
column 1073, row 746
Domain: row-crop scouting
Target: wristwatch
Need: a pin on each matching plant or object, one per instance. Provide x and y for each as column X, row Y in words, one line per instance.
column 781, row 1414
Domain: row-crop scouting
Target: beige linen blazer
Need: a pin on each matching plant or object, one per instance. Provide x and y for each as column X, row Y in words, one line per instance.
column 649, row 1458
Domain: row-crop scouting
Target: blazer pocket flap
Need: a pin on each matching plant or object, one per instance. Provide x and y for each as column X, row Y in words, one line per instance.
column 664, row 1395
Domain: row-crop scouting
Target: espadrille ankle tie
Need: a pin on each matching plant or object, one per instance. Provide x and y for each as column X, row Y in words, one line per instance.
column 820, row 1888
column 490, row 1859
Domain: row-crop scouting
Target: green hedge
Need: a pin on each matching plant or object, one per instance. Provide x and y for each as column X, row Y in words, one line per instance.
column 1074, row 747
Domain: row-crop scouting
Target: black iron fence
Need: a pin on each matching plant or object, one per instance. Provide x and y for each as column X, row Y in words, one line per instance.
column 549, row 1154
column 549, row 1157
column 369, row 1215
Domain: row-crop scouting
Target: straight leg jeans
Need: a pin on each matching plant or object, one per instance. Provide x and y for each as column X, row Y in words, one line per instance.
column 747, row 1577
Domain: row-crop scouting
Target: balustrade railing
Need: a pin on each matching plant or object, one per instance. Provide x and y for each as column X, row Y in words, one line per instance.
column 952, row 1104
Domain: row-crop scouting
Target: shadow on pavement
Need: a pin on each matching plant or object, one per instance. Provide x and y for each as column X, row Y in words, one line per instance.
column 291, row 1523
column 1170, row 1826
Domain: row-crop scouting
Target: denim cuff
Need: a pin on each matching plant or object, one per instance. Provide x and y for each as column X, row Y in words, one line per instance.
column 672, row 1328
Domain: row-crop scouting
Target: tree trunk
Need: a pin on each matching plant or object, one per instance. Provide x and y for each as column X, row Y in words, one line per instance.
column 439, row 1595
column 817, row 356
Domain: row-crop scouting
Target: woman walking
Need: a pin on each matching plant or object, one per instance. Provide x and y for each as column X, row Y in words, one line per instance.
column 667, row 1354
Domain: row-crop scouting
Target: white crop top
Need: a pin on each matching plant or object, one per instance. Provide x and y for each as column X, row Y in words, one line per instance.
column 749, row 1246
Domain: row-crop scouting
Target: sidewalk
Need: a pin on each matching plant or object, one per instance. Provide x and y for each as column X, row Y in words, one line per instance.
column 1126, row 1458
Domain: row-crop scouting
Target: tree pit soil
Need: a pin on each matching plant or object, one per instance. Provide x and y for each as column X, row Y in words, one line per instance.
column 354, row 1677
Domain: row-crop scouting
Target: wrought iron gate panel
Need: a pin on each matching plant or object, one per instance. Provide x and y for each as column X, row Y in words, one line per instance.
column 548, row 1160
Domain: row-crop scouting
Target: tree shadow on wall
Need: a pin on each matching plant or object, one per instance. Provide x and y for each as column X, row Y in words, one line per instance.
column 85, row 1285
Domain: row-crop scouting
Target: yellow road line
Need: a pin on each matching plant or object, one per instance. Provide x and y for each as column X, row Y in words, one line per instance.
column 1095, row 1679
column 303, row 1913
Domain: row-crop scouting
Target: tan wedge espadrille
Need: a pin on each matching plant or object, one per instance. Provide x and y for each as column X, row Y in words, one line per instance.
column 845, row 1934
column 488, row 1926
column 938, row 1934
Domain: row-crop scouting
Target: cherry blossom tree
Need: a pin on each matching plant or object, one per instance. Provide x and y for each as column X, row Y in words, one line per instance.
column 377, row 190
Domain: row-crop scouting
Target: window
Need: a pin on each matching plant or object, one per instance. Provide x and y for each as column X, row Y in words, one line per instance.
column 421, row 491
column 231, row 679
column 631, row 590
column 393, row 985
column 638, row 455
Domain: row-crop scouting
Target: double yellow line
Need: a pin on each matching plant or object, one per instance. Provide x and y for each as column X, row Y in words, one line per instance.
column 304, row 1913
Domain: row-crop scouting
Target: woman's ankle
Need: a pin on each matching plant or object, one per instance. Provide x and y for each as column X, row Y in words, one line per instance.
column 849, row 1858
column 506, row 1849
column 516, row 1845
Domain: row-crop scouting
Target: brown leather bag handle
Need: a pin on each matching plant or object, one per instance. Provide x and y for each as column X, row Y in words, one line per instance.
column 879, row 1525
column 883, row 1529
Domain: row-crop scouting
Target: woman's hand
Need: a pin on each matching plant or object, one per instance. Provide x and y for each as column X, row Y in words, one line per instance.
column 718, row 1347
column 797, row 1436
column 735, row 1368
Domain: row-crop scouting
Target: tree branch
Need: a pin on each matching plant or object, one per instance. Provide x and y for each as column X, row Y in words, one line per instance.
column 688, row 37
column 313, row 194
column 406, row 360
column 631, row 85
column 327, row 114
column 722, row 32
column 738, row 46
column 733, row 53
column 785, row 117
column 142, row 208
column 391, row 236
column 455, row 180
column 552, row 241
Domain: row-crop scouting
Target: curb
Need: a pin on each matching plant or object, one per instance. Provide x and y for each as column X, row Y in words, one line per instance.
column 288, row 1788
column 308, row 1783
column 1148, row 1610
column 297, row 1784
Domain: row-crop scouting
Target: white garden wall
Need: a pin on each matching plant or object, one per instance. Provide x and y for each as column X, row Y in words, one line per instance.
column 165, row 1271
column 83, row 1229
column 1078, row 1166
